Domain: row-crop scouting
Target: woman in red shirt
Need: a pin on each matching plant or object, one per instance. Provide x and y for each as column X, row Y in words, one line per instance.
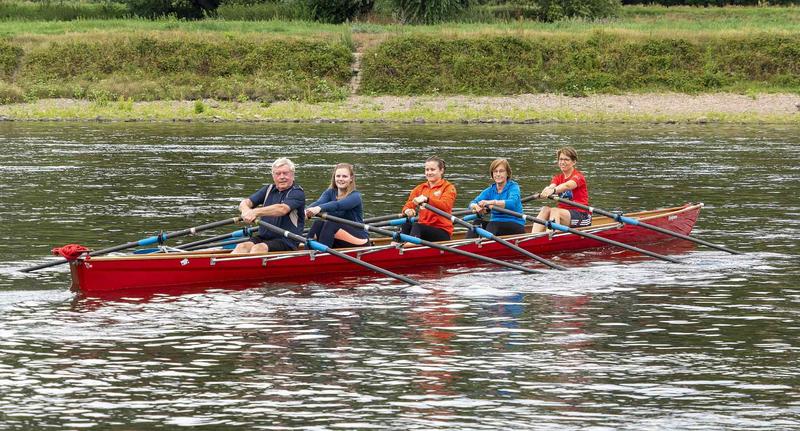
column 438, row 192
column 569, row 184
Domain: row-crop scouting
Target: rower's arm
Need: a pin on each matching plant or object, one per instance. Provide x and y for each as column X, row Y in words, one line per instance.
column 249, row 214
column 569, row 185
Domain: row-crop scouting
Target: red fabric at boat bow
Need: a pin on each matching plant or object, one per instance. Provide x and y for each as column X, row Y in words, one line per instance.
column 70, row 251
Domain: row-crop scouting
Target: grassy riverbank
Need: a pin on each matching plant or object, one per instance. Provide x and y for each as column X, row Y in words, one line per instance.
column 134, row 69
column 190, row 66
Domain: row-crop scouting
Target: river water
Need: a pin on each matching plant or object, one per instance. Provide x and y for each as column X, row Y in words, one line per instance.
column 618, row 342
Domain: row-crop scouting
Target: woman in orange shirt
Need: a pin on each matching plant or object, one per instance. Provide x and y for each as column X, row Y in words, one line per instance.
column 437, row 192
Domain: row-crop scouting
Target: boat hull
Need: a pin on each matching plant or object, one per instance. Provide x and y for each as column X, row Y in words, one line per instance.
column 118, row 273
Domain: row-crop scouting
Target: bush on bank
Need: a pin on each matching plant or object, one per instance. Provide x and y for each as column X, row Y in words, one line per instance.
column 182, row 67
column 9, row 58
column 598, row 63
column 554, row 10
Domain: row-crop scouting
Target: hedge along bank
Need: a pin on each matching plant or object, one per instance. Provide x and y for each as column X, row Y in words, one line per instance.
column 178, row 66
column 599, row 62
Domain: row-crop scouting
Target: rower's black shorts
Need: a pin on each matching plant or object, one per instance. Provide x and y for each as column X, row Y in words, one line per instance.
column 274, row 244
column 579, row 218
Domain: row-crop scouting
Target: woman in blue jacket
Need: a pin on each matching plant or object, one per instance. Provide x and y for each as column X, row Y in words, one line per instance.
column 342, row 200
column 504, row 193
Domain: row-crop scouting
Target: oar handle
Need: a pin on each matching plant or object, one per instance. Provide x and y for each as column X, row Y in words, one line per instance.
column 562, row 228
column 383, row 218
column 631, row 221
column 318, row 246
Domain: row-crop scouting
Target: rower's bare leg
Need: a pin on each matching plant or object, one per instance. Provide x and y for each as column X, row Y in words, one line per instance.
column 259, row 248
column 544, row 214
column 343, row 235
column 243, row 247
column 561, row 216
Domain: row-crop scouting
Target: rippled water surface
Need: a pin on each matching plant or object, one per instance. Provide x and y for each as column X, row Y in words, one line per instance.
column 618, row 342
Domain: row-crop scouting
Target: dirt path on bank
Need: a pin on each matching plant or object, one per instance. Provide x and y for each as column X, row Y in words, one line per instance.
column 527, row 108
column 633, row 104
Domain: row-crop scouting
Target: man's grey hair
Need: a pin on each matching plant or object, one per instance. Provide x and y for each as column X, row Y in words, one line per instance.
column 283, row 161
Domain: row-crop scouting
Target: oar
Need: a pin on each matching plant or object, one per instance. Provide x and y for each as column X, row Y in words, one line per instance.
column 314, row 245
column 143, row 242
column 226, row 244
column 404, row 220
column 486, row 234
column 414, row 240
column 382, row 218
column 240, row 233
column 633, row 222
column 562, row 228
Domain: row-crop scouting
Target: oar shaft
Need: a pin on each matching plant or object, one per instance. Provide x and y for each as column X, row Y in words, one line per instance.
column 419, row 241
column 222, row 243
column 142, row 242
column 562, row 228
column 486, row 234
column 325, row 249
column 239, row 233
column 165, row 236
column 632, row 221
column 383, row 218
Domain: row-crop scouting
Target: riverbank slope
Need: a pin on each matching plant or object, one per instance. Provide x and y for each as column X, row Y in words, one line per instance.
column 649, row 65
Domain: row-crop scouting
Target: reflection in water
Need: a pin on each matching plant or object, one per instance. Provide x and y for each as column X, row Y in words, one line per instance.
column 619, row 342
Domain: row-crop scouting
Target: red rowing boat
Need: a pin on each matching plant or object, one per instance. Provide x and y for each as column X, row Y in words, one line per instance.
column 102, row 274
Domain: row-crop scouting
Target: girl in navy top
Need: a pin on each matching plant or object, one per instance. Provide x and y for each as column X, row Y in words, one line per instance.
column 504, row 193
column 342, row 200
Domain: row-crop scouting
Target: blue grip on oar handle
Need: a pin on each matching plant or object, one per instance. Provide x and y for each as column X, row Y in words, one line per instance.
column 402, row 221
column 627, row 220
column 150, row 240
column 241, row 232
column 411, row 239
column 317, row 245
column 470, row 217
column 483, row 232
column 556, row 226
